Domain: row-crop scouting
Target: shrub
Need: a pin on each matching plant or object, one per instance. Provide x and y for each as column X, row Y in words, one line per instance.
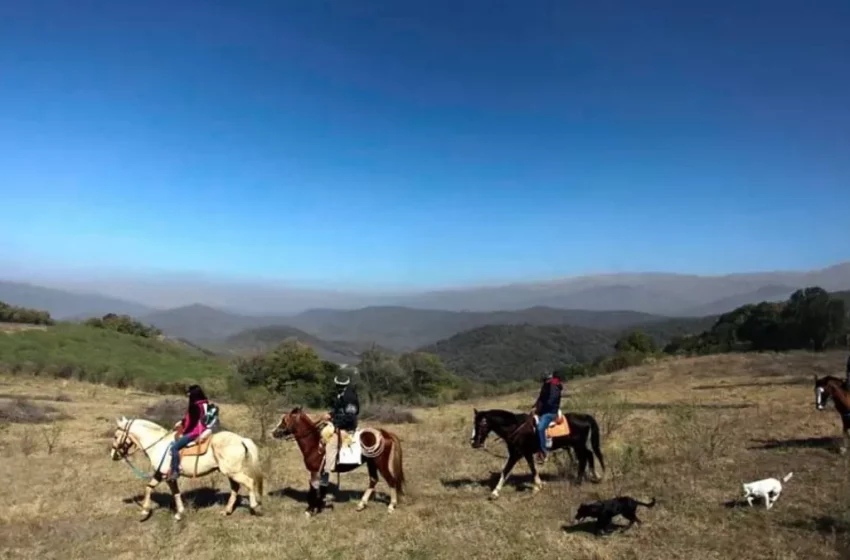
column 24, row 411
column 388, row 414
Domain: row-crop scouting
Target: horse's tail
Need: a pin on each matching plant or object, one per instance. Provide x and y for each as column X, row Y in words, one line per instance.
column 788, row 477
column 395, row 462
column 254, row 469
column 594, row 440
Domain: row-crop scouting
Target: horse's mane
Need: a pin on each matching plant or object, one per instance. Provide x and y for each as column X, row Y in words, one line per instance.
column 147, row 424
column 505, row 415
column 829, row 379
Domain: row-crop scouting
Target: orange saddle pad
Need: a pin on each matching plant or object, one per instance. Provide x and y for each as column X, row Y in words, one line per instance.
column 198, row 449
column 560, row 428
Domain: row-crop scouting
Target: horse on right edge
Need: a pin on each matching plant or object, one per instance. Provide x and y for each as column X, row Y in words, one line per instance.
column 833, row 387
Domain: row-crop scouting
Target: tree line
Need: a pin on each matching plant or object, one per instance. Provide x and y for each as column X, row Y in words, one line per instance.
column 811, row 319
column 123, row 324
column 14, row 314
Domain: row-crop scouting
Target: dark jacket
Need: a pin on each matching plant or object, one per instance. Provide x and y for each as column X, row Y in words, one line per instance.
column 549, row 400
column 345, row 409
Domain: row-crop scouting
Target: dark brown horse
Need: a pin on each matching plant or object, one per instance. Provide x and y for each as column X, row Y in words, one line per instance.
column 833, row 387
column 518, row 433
column 386, row 458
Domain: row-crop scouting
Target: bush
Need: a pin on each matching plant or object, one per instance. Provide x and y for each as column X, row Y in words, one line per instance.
column 24, row 411
column 387, row 414
column 15, row 314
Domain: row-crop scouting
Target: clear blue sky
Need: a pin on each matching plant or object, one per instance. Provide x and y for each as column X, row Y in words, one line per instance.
column 425, row 143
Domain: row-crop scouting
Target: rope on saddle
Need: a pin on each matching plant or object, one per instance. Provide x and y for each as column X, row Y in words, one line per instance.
column 372, row 451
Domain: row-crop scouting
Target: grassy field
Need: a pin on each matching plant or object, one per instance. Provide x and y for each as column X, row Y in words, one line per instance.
column 687, row 432
column 101, row 355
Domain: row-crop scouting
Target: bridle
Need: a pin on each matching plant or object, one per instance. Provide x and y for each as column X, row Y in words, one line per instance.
column 127, row 442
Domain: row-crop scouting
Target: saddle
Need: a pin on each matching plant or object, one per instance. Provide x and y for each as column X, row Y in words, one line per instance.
column 559, row 427
column 348, row 452
column 199, row 446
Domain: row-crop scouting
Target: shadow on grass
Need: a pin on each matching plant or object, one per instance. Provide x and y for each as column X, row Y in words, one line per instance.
column 823, row 524
column 521, row 482
column 198, row 498
column 589, row 527
column 339, row 496
column 753, row 384
column 673, row 406
column 828, row 443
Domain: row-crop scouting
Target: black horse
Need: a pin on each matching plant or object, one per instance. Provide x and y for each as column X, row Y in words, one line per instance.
column 521, row 438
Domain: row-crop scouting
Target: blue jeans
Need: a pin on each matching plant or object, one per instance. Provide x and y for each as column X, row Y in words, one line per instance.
column 542, row 424
column 175, row 452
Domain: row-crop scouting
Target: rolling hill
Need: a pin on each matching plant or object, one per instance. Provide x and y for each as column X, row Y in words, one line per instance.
column 263, row 339
column 63, row 304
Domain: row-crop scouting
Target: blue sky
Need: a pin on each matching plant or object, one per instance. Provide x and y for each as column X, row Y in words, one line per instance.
column 424, row 143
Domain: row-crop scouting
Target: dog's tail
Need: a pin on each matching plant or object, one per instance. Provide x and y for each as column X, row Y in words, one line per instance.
column 649, row 505
column 788, row 477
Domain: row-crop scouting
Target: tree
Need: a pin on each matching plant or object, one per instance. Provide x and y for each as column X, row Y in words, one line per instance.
column 123, row 324
column 290, row 368
column 636, row 341
column 427, row 376
column 381, row 374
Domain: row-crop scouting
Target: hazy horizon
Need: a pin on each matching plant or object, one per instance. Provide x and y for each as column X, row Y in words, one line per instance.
column 410, row 147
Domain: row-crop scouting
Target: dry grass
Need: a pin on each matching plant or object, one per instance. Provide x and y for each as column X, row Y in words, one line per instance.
column 669, row 440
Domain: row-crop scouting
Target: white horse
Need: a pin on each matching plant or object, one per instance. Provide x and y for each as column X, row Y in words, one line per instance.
column 236, row 457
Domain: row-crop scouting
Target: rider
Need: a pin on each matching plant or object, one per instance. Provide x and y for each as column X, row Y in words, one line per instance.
column 343, row 415
column 189, row 428
column 546, row 408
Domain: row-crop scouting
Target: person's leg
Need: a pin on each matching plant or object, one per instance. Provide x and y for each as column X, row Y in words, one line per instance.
column 545, row 420
column 182, row 442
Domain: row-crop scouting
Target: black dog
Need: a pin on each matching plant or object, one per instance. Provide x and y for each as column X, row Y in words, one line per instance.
column 605, row 511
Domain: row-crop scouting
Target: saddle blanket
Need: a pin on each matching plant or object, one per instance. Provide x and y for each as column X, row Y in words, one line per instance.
column 557, row 428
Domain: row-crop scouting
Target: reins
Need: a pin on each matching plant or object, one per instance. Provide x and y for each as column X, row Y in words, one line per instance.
column 123, row 449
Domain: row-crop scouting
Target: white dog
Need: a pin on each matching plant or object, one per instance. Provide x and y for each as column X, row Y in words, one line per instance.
column 767, row 489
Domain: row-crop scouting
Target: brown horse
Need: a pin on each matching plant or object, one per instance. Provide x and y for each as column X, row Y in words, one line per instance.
column 386, row 458
column 833, row 387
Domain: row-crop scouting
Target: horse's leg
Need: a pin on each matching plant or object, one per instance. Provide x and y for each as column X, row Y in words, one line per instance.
column 513, row 457
column 313, row 498
column 178, row 499
column 248, row 482
column 842, row 447
column 538, row 483
column 146, row 503
column 582, row 463
column 234, row 496
column 373, row 481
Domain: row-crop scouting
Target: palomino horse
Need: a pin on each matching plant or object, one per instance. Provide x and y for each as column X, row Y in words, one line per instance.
column 833, row 387
column 518, row 433
column 386, row 458
column 236, row 457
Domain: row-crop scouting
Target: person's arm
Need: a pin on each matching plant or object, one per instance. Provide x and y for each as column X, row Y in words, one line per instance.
column 541, row 398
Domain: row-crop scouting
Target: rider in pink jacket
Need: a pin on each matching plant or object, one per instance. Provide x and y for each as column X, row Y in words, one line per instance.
column 190, row 428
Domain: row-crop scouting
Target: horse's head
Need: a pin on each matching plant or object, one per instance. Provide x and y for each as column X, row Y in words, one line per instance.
column 480, row 429
column 285, row 429
column 123, row 444
column 825, row 388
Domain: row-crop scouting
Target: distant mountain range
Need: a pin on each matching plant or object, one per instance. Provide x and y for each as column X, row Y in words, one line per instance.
column 654, row 293
column 601, row 302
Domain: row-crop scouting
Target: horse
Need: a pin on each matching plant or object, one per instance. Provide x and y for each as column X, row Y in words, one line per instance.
column 234, row 456
column 833, row 387
column 518, row 433
column 381, row 451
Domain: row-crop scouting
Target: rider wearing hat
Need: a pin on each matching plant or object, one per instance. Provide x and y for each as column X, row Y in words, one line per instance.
column 343, row 415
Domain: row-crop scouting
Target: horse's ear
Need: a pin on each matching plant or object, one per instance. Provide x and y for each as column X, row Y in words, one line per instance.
column 475, row 411
column 815, row 377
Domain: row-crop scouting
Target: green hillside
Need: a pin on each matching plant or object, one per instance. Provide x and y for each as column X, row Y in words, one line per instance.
column 103, row 355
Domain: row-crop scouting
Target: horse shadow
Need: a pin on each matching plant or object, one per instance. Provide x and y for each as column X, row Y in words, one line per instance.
column 521, row 482
column 828, row 443
column 197, row 498
column 735, row 504
column 339, row 496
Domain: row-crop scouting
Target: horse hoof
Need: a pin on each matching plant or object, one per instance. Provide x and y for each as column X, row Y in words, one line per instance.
column 178, row 516
column 494, row 496
column 361, row 506
column 146, row 514
column 308, row 514
column 227, row 513
column 390, row 508
column 536, row 489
